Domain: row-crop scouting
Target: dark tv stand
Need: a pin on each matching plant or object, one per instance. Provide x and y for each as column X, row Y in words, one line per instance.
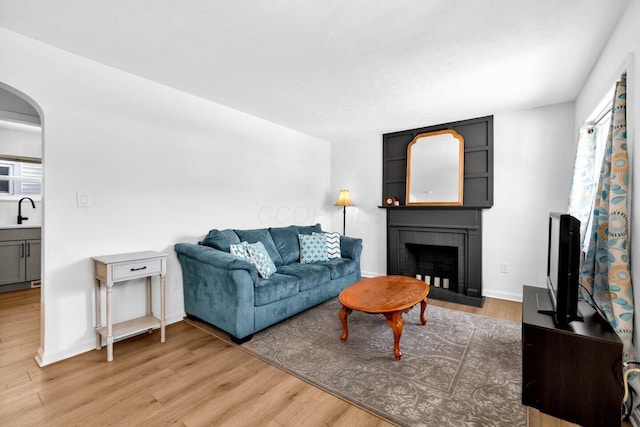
column 573, row 373
column 544, row 306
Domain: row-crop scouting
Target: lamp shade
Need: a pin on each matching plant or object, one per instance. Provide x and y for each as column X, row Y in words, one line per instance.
column 344, row 199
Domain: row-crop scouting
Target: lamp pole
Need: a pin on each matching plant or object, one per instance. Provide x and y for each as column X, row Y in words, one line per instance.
column 344, row 220
column 344, row 200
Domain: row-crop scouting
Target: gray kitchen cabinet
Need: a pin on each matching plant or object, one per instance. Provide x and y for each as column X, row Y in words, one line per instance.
column 20, row 258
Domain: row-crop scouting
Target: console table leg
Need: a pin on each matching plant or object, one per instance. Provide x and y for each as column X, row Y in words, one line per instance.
column 344, row 312
column 163, row 321
column 109, row 326
column 148, row 295
column 98, row 315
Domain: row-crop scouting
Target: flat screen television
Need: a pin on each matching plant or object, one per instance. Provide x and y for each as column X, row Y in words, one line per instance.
column 563, row 264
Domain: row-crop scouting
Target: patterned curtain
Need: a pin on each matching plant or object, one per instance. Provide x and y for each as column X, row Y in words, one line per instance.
column 583, row 189
column 606, row 273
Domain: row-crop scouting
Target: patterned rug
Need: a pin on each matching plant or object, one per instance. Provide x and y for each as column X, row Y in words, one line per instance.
column 459, row 369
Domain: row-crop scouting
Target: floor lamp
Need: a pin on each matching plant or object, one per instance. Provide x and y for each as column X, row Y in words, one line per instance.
column 344, row 200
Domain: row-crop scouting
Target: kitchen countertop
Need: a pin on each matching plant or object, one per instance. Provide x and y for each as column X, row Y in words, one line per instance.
column 12, row 226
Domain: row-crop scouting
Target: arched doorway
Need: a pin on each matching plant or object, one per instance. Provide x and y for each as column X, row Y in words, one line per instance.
column 20, row 113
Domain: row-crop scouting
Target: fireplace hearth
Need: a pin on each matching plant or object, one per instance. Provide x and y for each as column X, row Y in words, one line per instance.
column 441, row 245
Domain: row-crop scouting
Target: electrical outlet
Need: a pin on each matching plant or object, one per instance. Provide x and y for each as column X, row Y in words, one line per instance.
column 176, row 284
column 504, row 267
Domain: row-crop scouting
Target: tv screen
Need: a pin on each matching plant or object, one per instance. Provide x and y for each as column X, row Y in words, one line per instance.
column 563, row 264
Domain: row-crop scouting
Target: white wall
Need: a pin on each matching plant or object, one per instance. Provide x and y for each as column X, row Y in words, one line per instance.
column 160, row 167
column 622, row 51
column 357, row 166
column 534, row 152
column 533, row 157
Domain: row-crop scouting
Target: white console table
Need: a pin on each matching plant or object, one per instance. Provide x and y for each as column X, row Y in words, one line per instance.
column 111, row 269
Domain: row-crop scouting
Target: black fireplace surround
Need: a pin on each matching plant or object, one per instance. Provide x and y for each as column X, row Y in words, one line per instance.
column 412, row 234
column 443, row 242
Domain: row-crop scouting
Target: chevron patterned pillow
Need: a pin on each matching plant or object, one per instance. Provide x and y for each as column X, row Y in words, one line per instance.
column 313, row 248
column 333, row 245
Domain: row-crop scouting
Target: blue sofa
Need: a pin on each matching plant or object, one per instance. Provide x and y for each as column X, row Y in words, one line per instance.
column 227, row 292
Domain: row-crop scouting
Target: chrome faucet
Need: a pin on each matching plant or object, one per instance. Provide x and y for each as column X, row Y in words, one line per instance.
column 20, row 217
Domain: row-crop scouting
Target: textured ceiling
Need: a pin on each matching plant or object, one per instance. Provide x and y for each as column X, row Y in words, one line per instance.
column 339, row 69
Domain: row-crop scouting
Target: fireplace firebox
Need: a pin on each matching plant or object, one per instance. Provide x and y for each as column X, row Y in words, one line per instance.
column 436, row 265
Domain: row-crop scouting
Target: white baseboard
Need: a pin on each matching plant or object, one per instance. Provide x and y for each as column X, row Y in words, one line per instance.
column 44, row 359
column 509, row 296
column 371, row 274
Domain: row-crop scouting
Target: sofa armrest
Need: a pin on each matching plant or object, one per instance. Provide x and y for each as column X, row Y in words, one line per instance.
column 351, row 247
column 218, row 288
column 216, row 258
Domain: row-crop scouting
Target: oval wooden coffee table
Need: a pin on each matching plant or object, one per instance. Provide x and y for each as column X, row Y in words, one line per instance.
column 387, row 295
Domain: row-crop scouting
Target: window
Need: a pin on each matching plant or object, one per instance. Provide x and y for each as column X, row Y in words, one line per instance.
column 6, row 186
column 20, row 178
column 589, row 156
column 601, row 130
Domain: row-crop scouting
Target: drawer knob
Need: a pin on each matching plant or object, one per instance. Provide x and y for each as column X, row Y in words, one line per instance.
column 138, row 269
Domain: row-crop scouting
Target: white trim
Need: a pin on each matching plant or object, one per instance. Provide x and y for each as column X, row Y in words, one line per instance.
column 508, row 296
column 44, row 359
column 629, row 60
column 19, row 178
column 371, row 274
column 606, row 93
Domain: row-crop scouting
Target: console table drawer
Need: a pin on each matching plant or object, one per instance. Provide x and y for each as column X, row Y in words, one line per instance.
column 141, row 268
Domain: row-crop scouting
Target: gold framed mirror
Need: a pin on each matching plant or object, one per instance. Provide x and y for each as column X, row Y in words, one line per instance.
column 435, row 169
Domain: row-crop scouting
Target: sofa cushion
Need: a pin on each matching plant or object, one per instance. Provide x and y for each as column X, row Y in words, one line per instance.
column 220, row 239
column 261, row 235
column 340, row 267
column 286, row 241
column 261, row 259
column 309, row 275
column 309, row 229
column 275, row 288
column 313, row 248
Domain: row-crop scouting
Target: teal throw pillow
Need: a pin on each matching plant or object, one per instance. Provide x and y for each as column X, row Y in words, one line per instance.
column 240, row 250
column 313, row 248
column 261, row 259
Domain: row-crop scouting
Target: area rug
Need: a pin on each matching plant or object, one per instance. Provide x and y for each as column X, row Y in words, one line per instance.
column 459, row 369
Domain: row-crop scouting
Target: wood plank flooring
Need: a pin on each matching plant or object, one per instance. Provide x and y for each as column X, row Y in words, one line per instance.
column 194, row 379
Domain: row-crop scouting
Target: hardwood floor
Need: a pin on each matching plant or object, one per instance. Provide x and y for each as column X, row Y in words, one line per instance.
column 194, row 379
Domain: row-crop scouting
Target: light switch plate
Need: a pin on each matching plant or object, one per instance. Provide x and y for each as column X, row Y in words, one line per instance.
column 82, row 199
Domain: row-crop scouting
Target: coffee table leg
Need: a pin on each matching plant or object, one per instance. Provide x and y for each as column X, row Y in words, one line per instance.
column 396, row 323
column 423, row 306
column 344, row 312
